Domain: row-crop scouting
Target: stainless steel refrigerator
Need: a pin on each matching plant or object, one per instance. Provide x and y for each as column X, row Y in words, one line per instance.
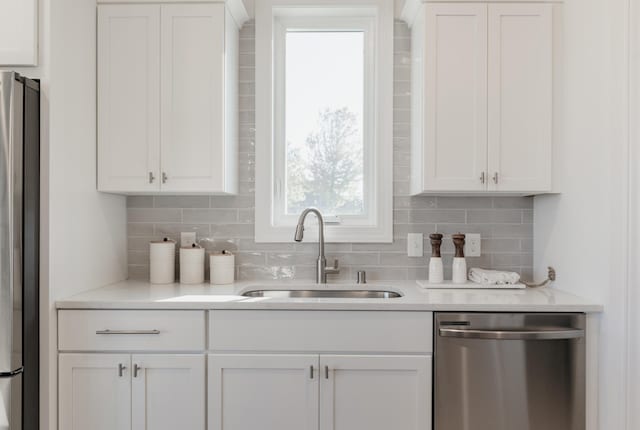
column 19, row 263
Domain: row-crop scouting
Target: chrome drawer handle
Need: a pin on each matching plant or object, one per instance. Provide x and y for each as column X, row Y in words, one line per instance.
column 127, row 331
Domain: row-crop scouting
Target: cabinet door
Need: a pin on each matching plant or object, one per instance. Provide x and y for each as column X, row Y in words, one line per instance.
column 455, row 132
column 19, row 33
column 128, row 98
column 248, row 392
column 375, row 392
column 94, row 392
column 520, row 97
column 168, row 392
column 193, row 97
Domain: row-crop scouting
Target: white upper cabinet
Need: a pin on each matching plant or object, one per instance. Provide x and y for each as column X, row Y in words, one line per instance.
column 18, row 32
column 128, row 98
column 482, row 108
column 193, row 91
column 167, row 97
column 454, row 123
column 520, row 97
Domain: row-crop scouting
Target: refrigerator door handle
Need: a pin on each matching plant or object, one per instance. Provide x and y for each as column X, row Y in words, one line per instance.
column 12, row 373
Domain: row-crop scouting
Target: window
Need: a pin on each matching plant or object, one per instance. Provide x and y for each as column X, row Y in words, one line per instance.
column 328, row 136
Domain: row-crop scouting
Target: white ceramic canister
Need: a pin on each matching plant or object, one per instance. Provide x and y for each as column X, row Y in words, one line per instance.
column 436, row 271
column 222, row 267
column 459, row 270
column 162, row 262
column 192, row 265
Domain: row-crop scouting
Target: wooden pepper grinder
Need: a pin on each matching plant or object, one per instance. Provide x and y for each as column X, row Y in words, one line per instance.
column 436, row 272
column 459, row 263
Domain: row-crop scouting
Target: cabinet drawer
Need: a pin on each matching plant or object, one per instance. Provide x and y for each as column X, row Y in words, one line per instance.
column 89, row 330
column 320, row 331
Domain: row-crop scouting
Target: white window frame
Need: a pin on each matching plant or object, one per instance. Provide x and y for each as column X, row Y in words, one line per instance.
column 375, row 19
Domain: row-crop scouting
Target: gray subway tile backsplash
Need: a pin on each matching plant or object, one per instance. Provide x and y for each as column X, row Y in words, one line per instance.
column 227, row 222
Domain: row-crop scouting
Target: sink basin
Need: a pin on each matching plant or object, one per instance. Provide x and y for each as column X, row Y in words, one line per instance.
column 324, row 294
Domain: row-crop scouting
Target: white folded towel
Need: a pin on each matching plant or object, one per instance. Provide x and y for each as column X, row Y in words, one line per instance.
column 493, row 277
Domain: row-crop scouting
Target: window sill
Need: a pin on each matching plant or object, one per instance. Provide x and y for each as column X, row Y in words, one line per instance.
column 332, row 234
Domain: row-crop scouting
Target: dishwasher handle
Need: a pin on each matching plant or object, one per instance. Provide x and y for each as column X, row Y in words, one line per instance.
column 551, row 333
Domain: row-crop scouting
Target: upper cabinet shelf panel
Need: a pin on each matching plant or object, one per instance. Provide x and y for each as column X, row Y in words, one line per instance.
column 482, row 97
column 167, row 98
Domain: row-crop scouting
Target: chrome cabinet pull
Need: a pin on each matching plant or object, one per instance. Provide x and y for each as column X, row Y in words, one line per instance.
column 326, row 372
column 311, row 371
column 495, row 178
column 107, row 331
column 165, row 178
column 136, row 369
column 482, row 178
column 151, row 178
column 121, row 369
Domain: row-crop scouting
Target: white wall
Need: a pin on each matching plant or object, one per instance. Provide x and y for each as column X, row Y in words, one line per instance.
column 583, row 232
column 87, row 230
column 83, row 235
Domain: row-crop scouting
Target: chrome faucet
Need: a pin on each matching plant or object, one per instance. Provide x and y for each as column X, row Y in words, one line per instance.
column 321, row 265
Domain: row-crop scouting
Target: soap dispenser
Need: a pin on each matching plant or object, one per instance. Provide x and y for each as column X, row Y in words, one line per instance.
column 436, row 272
column 459, row 263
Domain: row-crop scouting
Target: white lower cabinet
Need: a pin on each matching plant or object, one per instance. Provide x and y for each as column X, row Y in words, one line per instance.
column 168, row 392
column 263, row 392
column 94, row 391
column 375, row 392
column 252, row 370
column 139, row 392
column 326, row 392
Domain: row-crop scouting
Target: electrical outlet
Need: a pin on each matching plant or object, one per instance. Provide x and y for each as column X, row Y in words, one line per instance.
column 472, row 247
column 415, row 245
column 187, row 238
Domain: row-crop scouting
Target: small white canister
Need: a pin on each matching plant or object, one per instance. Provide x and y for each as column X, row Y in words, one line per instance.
column 192, row 264
column 223, row 267
column 162, row 262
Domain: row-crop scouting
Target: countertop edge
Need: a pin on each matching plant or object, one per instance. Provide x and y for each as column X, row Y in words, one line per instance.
column 80, row 305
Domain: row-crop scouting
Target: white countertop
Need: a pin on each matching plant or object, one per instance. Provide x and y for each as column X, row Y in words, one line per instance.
column 142, row 295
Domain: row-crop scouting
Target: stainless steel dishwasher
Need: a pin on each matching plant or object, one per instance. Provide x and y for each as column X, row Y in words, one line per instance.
column 509, row 371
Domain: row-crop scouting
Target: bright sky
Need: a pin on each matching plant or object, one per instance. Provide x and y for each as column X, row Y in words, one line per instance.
column 323, row 70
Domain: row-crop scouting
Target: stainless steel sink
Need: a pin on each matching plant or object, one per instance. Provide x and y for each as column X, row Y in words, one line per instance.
column 324, row 294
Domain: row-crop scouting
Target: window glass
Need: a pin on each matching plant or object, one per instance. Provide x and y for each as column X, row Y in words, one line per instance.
column 324, row 122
